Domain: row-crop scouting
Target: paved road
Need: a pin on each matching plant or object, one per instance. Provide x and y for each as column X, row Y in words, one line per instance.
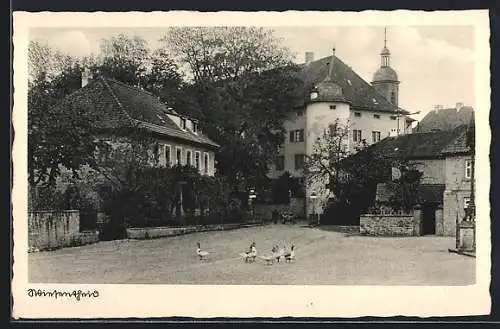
column 323, row 257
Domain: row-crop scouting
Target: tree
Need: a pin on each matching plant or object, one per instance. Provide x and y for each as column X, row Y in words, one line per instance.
column 59, row 134
column 243, row 85
column 325, row 163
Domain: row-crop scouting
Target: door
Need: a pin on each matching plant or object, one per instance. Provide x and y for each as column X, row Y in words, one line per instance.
column 428, row 219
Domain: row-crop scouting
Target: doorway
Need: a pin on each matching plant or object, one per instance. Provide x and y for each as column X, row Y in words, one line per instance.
column 429, row 219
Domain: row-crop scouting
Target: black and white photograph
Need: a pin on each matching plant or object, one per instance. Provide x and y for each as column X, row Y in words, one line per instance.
column 289, row 162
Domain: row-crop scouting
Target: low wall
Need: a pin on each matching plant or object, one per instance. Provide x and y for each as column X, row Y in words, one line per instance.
column 52, row 229
column 341, row 228
column 86, row 237
column 160, row 232
column 389, row 225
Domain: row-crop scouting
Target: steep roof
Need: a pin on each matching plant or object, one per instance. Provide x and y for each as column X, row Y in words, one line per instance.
column 118, row 104
column 445, row 119
column 359, row 92
column 414, row 146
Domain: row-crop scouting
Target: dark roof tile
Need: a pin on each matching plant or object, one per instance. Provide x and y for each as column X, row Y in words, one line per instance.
column 445, row 119
column 360, row 93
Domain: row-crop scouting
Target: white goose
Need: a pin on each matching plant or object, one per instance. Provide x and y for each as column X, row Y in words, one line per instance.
column 250, row 255
column 201, row 254
column 290, row 256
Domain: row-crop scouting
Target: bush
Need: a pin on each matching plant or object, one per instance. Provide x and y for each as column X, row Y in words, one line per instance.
column 340, row 213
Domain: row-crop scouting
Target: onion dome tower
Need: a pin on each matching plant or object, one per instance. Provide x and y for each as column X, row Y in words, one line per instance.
column 328, row 90
column 385, row 80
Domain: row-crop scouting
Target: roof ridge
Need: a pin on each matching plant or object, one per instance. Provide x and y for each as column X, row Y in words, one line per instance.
column 389, row 104
column 129, row 86
column 115, row 98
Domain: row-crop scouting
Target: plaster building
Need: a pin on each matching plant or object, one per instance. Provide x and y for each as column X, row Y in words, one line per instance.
column 334, row 91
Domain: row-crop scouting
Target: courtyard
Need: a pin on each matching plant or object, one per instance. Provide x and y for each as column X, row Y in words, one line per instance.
column 322, row 257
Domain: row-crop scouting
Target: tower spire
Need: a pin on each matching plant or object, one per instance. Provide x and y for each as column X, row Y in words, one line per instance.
column 385, row 37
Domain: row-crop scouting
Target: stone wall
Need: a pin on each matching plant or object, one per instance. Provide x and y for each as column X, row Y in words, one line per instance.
column 389, row 225
column 57, row 229
column 159, row 232
column 52, row 229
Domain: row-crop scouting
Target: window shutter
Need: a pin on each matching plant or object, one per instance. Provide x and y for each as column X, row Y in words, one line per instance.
column 302, row 135
column 291, row 136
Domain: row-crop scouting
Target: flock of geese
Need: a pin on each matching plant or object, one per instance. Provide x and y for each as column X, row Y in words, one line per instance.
column 276, row 255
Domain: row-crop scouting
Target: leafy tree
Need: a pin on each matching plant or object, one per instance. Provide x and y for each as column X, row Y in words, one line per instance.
column 325, row 163
column 243, row 85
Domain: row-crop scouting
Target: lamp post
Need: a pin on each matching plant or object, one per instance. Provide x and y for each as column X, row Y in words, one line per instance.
column 251, row 197
column 400, row 112
column 313, row 197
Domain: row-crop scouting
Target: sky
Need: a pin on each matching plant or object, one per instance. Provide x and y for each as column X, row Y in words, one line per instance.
column 435, row 64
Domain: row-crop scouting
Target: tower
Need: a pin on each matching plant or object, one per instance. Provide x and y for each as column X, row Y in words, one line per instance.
column 385, row 80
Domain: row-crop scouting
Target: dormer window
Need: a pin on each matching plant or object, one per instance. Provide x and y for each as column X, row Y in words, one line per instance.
column 183, row 123
column 195, row 127
column 333, row 107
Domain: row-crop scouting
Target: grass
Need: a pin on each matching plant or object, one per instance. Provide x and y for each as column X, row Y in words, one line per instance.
column 322, row 257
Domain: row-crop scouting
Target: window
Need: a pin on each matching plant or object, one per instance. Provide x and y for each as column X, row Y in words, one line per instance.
column 299, row 161
column 357, row 114
column 183, row 123
column 376, row 116
column 375, row 136
column 195, row 127
column 164, row 155
column 178, row 156
column 297, row 136
column 333, row 107
column 161, row 154
column 205, row 165
column 466, row 202
column 188, row 158
column 197, row 159
column 356, row 135
column 468, row 169
column 280, row 163
column 393, row 97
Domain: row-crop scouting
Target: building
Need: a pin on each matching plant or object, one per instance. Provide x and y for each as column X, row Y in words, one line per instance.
column 446, row 163
column 333, row 91
column 117, row 105
column 445, row 118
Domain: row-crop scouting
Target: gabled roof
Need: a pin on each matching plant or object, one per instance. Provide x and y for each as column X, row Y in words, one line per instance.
column 427, row 193
column 413, row 146
column 360, row 93
column 118, row 104
column 445, row 119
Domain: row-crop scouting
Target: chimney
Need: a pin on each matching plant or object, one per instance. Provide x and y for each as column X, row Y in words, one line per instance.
column 459, row 105
column 86, row 77
column 437, row 107
column 309, row 57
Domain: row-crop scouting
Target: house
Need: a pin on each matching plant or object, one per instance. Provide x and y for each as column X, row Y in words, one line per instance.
column 446, row 163
column 445, row 118
column 118, row 106
column 334, row 91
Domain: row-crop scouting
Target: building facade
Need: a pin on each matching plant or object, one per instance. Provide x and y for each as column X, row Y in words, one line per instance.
column 335, row 92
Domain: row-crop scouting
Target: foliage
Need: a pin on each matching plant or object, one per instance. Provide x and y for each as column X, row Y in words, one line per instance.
column 59, row 134
column 243, row 85
column 405, row 188
column 325, row 164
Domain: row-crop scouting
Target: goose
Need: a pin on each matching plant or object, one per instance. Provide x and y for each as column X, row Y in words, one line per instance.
column 250, row 255
column 290, row 256
column 201, row 254
column 278, row 253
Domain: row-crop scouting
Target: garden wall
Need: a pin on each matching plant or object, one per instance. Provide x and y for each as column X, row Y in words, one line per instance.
column 56, row 229
column 159, row 232
column 389, row 225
